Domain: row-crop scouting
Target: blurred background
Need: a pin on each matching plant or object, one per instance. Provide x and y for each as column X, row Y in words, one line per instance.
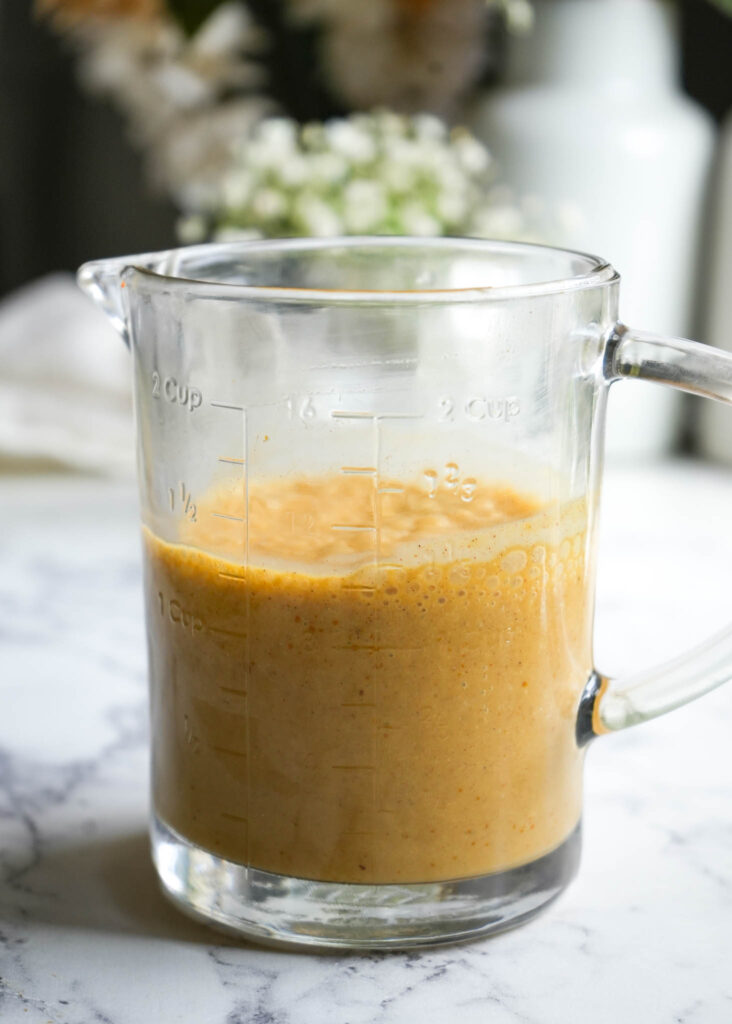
column 133, row 125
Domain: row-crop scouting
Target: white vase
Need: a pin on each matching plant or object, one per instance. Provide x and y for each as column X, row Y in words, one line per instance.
column 715, row 437
column 593, row 121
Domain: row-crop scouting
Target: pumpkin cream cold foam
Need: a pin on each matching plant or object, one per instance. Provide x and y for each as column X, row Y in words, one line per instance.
column 369, row 683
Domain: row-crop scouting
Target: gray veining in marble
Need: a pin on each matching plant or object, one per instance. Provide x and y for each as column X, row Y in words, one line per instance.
column 644, row 934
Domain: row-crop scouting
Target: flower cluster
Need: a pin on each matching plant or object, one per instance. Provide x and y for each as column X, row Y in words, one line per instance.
column 184, row 97
column 409, row 55
column 378, row 173
column 189, row 77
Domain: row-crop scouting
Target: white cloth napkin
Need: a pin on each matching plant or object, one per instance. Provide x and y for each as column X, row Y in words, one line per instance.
column 65, row 382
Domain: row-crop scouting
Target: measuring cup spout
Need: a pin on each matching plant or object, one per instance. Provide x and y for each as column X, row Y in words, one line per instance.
column 103, row 281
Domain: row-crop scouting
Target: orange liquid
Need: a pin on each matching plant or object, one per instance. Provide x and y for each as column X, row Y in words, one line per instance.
column 394, row 703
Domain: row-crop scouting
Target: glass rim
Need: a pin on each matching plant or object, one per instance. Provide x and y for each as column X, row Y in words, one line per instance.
column 599, row 272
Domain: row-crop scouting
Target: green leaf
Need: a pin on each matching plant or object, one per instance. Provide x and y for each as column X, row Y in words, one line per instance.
column 191, row 14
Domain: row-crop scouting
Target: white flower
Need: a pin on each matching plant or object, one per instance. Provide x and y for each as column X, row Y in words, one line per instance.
column 418, row 221
column 181, row 86
column 313, row 135
column 427, row 126
column 452, row 207
column 519, row 15
column 326, row 168
column 437, row 160
column 264, row 155
column 317, row 218
column 278, row 135
column 194, row 151
column 401, row 150
column 222, row 32
column 388, row 124
column 236, row 187
column 352, row 142
column 450, row 177
column 268, row 204
column 293, row 171
column 364, row 206
column 191, row 229
column 473, row 156
column 399, row 178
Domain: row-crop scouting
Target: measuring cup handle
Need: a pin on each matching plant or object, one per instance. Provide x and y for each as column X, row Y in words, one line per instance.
column 611, row 704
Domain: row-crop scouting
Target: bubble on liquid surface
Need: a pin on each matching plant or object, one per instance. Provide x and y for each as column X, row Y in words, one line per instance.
column 514, row 561
column 459, row 574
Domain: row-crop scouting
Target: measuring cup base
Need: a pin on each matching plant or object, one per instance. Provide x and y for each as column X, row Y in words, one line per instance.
column 277, row 910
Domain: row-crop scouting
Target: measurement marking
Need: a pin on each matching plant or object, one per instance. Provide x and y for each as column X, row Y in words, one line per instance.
column 234, row 519
column 358, row 833
column 225, row 405
column 353, row 527
column 233, row 576
column 332, row 365
column 358, row 586
column 182, row 496
column 358, row 470
column 353, row 767
column 358, row 705
column 356, row 647
column 234, row 462
column 227, row 750
column 386, row 810
column 347, row 414
column 373, row 647
column 234, row 817
column 344, row 414
column 233, row 689
column 391, row 566
column 227, row 632
column 390, row 490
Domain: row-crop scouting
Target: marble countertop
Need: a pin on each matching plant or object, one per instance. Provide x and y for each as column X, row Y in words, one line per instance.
column 643, row 935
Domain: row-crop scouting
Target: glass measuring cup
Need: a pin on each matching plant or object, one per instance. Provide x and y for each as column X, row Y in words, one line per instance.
column 369, row 476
